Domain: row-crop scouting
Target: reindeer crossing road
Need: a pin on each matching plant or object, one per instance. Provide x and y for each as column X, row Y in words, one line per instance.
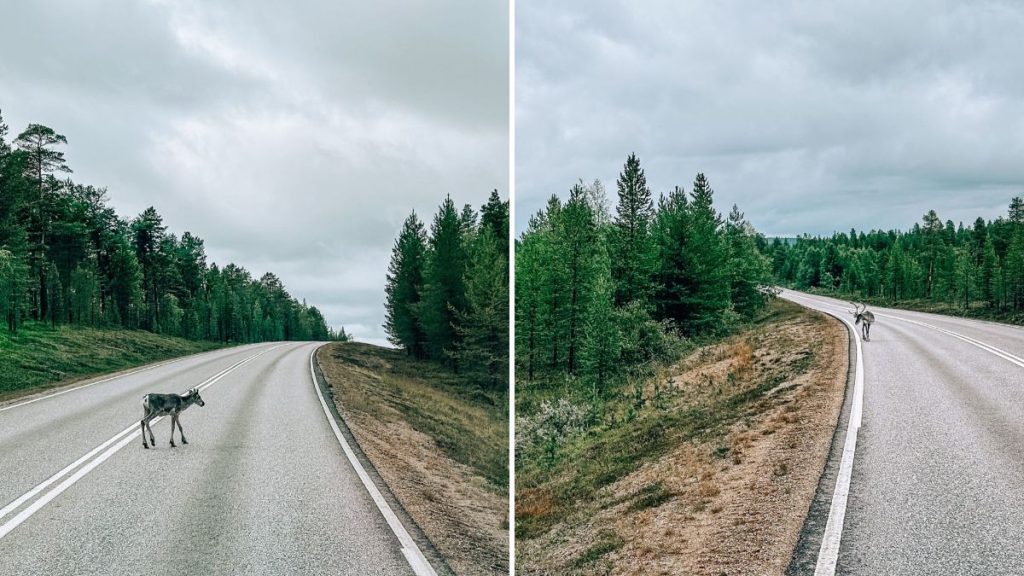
column 263, row 488
column 936, row 485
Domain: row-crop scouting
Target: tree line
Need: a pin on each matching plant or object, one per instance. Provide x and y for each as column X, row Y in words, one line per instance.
column 66, row 257
column 980, row 266
column 446, row 296
column 599, row 297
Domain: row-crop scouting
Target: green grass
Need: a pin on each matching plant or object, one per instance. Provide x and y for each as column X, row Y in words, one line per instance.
column 468, row 424
column 607, row 541
column 41, row 356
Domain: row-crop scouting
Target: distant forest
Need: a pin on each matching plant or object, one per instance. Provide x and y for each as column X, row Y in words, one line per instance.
column 600, row 298
column 68, row 258
column 447, row 295
column 941, row 265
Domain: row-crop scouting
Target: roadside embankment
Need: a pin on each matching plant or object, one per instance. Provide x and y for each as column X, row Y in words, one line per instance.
column 41, row 357
column 708, row 468
column 439, row 442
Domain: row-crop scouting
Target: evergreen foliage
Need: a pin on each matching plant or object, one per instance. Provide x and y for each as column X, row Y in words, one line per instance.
column 600, row 299
column 66, row 257
column 447, row 291
column 980, row 267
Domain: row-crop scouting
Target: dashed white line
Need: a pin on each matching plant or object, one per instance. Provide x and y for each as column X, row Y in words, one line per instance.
column 120, row 440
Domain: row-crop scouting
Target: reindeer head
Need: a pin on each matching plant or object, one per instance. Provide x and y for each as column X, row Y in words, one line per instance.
column 858, row 311
column 194, row 397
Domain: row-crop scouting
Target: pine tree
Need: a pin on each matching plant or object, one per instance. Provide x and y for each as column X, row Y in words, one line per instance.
column 671, row 235
column 494, row 215
column 602, row 344
column 706, row 263
column 404, row 288
column 632, row 243
column 578, row 241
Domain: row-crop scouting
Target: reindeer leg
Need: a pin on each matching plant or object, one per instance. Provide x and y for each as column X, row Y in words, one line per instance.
column 180, row 429
column 174, row 419
column 149, row 426
column 142, row 424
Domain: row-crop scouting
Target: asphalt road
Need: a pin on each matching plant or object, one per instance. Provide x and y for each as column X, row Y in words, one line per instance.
column 938, row 477
column 263, row 487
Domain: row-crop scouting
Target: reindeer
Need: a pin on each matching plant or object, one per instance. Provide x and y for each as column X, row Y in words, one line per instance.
column 155, row 405
column 862, row 314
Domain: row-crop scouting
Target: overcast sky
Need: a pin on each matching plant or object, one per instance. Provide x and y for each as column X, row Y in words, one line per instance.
column 293, row 137
column 812, row 116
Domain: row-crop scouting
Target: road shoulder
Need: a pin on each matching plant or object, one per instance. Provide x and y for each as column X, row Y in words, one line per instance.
column 451, row 511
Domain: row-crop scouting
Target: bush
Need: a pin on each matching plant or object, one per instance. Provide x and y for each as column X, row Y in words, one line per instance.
column 553, row 424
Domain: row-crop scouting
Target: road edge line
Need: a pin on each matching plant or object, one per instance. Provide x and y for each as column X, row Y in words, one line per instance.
column 828, row 552
column 410, row 549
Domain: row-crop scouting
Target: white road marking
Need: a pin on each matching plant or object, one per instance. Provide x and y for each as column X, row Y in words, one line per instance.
column 132, row 432
column 410, row 549
column 972, row 341
column 828, row 554
column 108, row 379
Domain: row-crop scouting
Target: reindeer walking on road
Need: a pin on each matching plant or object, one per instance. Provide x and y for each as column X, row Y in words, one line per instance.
column 864, row 317
column 155, row 405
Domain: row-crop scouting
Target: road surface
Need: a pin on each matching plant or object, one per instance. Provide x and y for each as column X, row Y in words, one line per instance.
column 937, row 483
column 263, row 487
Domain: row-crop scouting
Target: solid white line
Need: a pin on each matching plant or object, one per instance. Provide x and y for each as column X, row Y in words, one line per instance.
column 108, row 379
column 132, row 432
column 828, row 553
column 1010, row 357
column 410, row 549
column 42, row 486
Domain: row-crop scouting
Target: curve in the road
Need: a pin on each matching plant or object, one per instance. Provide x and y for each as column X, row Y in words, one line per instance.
column 262, row 488
column 939, row 481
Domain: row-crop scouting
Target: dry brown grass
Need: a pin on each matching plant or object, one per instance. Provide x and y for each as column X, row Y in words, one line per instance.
column 735, row 489
column 439, row 443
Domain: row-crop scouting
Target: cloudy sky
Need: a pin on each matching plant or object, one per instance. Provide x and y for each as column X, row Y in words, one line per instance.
column 293, row 137
column 812, row 116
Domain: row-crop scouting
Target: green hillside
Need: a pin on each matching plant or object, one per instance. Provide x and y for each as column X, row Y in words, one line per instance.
column 40, row 356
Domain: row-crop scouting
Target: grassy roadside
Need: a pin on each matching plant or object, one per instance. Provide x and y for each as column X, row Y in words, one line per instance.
column 707, row 468
column 41, row 357
column 439, row 442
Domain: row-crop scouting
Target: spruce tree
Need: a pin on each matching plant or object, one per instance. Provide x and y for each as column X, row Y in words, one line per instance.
column 707, row 297
column 632, row 243
column 404, row 287
column 483, row 327
column 444, row 295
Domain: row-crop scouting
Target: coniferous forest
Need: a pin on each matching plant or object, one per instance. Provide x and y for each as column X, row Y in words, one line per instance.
column 447, row 290
column 976, row 270
column 600, row 297
column 67, row 258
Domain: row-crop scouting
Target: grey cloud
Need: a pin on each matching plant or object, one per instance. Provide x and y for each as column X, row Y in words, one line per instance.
column 812, row 117
column 292, row 137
